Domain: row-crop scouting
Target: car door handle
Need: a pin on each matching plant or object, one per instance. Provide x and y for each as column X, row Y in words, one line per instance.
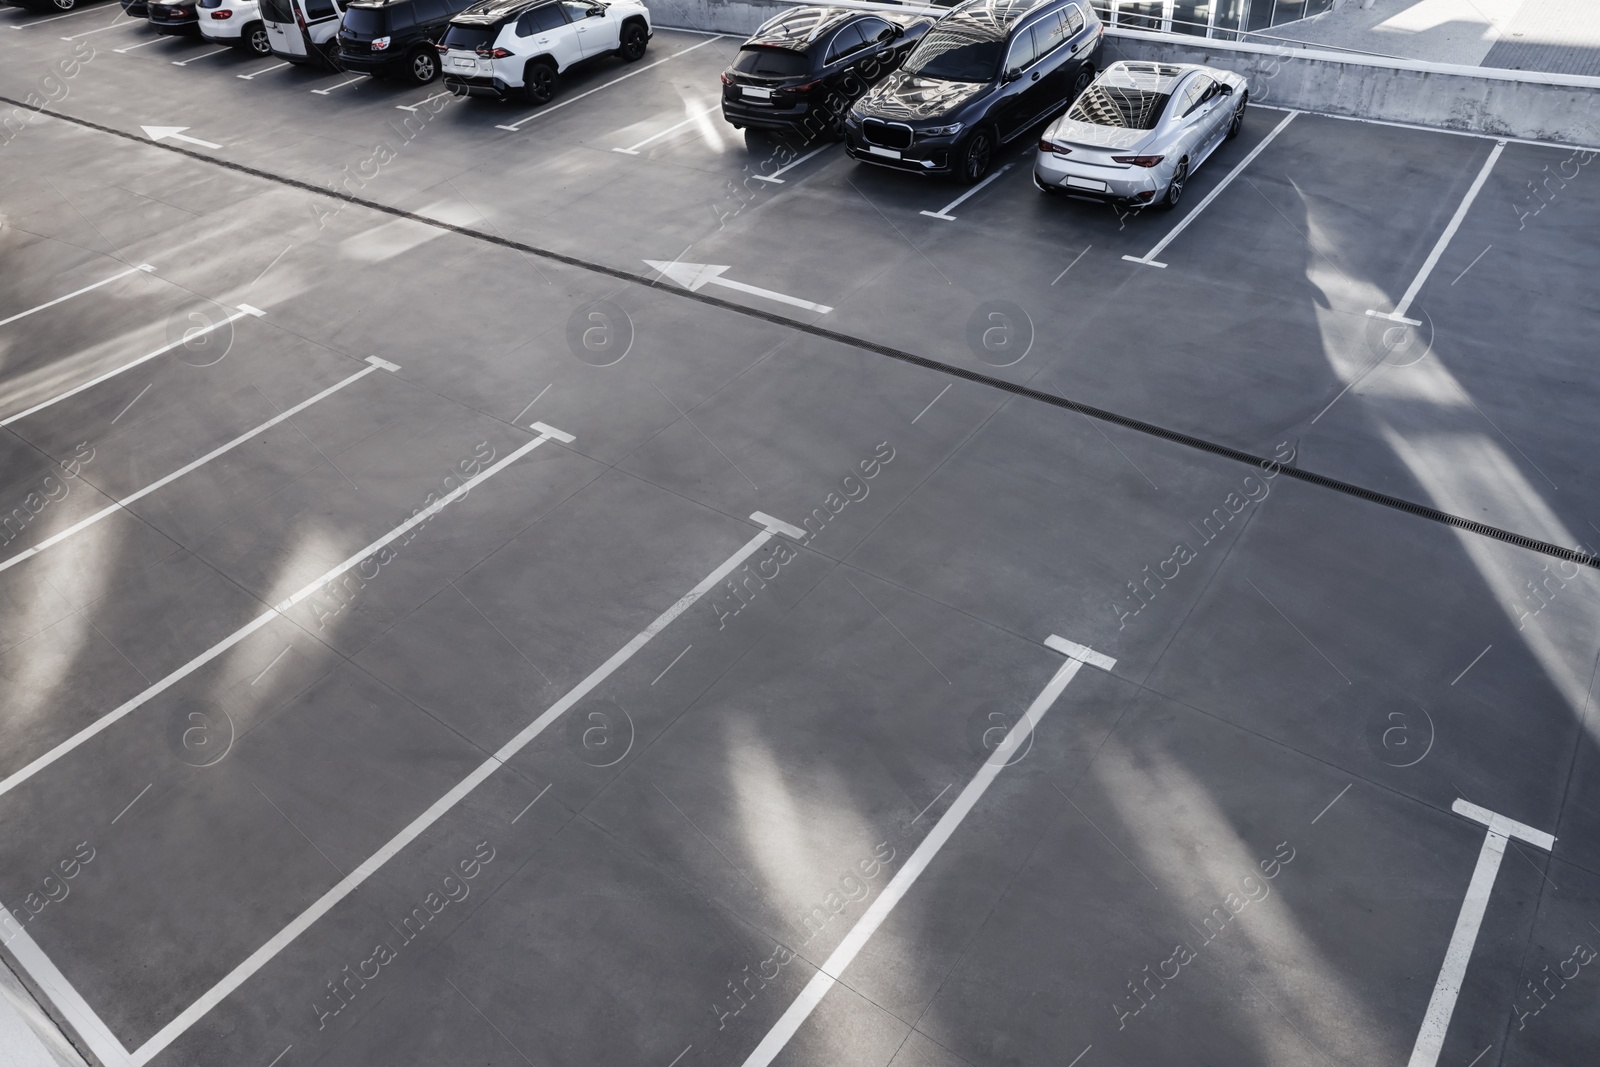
column 1035, row 76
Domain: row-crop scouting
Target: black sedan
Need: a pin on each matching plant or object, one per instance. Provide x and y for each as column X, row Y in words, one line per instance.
column 985, row 75
column 179, row 19
column 801, row 71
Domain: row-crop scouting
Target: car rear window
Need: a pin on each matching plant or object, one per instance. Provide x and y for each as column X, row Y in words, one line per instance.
column 771, row 62
column 366, row 20
column 1116, row 105
column 955, row 57
column 470, row 38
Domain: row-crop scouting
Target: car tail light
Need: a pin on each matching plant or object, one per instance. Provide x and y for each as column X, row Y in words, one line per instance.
column 441, row 48
column 727, row 79
column 1139, row 161
column 1047, row 145
column 806, row 88
column 500, row 53
column 380, row 43
column 225, row 13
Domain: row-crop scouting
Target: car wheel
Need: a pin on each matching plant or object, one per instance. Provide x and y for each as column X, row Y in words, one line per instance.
column 975, row 156
column 1082, row 81
column 423, row 66
column 634, row 41
column 1238, row 116
column 1174, row 193
column 539, row 82
column 330, row 54
column 63, row 5
column 255, row 40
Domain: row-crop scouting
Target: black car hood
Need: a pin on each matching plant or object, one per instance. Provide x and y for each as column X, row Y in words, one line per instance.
column 906, row 96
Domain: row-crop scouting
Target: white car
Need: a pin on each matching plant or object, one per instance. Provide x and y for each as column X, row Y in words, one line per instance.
column 303, row 31
column 1139, row 131
column 516, row 48
column 235, row 22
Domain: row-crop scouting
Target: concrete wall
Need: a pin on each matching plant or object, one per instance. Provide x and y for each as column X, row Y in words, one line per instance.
column 1508, row 103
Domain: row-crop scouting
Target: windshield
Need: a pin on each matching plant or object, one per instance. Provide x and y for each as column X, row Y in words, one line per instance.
column 955, row 57
column 470, row 38
column 365, row 20
column 772, row 62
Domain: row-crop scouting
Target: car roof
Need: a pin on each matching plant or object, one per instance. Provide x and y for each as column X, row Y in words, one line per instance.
column 992, row 17
column 489, row 12
column 799, row 28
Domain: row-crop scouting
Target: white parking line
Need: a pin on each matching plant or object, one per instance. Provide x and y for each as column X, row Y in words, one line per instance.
column 1400, row 309
column 265, row 70
column 370, row 866
column 634, row 149
column 244, row 309
column 142, row 44
column 515, row 126
column 1149, row 258
column 775, row 178
column 426, row 100
column 52, row 18
column 374, row 364
column 944, row 212
column 341, row 85
column 828, row 974
column 202, row 55
column 101, row 29
column 278, row 610
column 67, row 1000
column 144, row 267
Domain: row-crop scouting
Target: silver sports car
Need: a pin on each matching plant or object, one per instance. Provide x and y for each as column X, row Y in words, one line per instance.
column 1139, row 131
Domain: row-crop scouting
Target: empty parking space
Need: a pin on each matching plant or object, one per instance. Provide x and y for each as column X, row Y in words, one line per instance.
column 443, row 652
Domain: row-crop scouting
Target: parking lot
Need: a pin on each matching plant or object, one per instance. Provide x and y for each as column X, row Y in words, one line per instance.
column 657, row 615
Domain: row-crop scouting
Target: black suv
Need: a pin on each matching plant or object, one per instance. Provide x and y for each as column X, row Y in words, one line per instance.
column 801, row 71
column 178, row 19
column 395, row 36
column 984, row 75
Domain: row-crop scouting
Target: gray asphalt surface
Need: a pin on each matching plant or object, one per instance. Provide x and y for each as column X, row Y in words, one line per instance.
column 583, row 832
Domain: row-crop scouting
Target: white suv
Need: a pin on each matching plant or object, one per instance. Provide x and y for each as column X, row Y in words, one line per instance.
column 516, row 48
column 235, row 22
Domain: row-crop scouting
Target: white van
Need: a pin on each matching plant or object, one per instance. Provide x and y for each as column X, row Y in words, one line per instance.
column 303, row 31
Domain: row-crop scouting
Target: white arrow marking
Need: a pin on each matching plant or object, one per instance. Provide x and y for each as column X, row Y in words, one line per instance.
column 175, row 133
column 694, row 276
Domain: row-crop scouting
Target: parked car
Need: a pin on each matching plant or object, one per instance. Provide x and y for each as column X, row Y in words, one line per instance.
column 801, row 71
column 177, row 19
column 138, row 9
column 396, row 37
column 237, row 23
column 983, row 76
column 518, row 48
column 1140, row 131
column 303, row 31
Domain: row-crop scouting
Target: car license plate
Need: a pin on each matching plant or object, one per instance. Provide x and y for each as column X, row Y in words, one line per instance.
column 464, row 64
column 756, row 92
column 1075, row 182
column 887, row 153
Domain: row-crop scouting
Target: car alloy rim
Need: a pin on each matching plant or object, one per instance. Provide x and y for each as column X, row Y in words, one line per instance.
column 65, row 5
column 635, row 41
column 542, row 82
column 1177, row 182
column 260, row 43
column 978, row 158
column 422, row 67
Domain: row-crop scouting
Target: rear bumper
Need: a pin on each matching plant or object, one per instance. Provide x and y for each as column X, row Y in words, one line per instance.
column 463, row 85
column 1124, row 183
column 368, row 62
column 223, row 31
column 177, row 27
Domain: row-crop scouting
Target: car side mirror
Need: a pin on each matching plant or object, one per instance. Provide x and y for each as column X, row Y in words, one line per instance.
column 595, row 12
column 1012, row 75
column 1224, row 89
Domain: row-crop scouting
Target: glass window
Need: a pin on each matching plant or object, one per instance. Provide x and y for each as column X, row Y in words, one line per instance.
column 367, row 21
column 956, row 57
column 1074, row 20
column 771, row 62
column 1195, row 95
column 427, row 11
column 576, row 11
column 277, row 11
column 1049, row 33
column 319, row 9
column 470, row 38
column 846, row 42
column 875, row 30
column 1023, row 51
